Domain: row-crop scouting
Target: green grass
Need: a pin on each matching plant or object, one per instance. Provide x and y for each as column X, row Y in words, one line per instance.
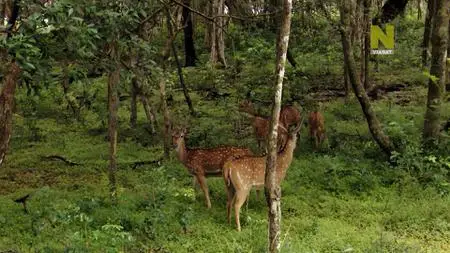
column 343, row 199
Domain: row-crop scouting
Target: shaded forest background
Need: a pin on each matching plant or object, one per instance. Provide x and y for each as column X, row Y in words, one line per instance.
column 91, row 91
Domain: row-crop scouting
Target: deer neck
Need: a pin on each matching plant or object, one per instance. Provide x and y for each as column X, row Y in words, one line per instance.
column 182, row 151
column 284, row 158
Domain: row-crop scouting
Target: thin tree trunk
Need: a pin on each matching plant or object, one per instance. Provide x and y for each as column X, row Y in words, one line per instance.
column 427, row 32
column 162, row 89
column 346, row 81
column 113, row 106
column 70, row 100
column 291, row 58
column 149, row 113
column 374, row 125
column 274, row 6
column 419, row 9
column 7, row 106
column 367, row 24
column 13, row 18
column 133, row 105
column 180, row 75
column 272, row 189
column 208, row 26
column 436, row 88
column 189, row 47
column 217, row 40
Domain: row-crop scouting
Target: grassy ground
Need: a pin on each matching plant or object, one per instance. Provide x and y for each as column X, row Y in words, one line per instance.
column 344, row 199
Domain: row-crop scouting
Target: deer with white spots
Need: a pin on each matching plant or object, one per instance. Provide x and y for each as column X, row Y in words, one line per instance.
column 202, row 163
column 241, row 174
column 289, row 115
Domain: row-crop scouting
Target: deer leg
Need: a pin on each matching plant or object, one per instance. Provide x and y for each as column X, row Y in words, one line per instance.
column 316, row 141
column 240, row 198
column 230, row 198
column 194, row 183
column 202, row 181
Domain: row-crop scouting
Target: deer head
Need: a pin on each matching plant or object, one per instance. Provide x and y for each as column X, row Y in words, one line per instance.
column 247, row 106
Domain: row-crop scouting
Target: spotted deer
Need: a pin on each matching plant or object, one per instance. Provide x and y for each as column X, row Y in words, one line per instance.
column 316, row 124
column 241, row 174
column 289, row 115
column 202, row 163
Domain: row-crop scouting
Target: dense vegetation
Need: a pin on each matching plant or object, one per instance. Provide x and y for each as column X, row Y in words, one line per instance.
column 348, row 196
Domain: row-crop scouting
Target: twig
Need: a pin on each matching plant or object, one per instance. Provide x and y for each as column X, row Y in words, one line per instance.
column 58, row 157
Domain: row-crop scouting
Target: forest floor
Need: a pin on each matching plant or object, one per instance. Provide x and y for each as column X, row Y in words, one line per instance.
column 346, row 198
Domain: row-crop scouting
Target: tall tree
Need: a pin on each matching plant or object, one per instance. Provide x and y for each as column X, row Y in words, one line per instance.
column 179, row 69
column 272, row 189
column 189, row 47
column 436, row 84
column 6, row 107
column 113, row 106
column 374, row 124
column 133, row 102
column 365, row 70
column 431, row 11
column 11, row 78
column 217, row 38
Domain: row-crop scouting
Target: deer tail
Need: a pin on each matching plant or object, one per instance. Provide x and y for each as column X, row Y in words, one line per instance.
column 227, row 172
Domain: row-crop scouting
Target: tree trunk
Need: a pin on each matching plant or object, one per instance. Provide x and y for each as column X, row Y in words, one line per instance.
column 436, row 88
column 272, row 189
column 133, row 105
column 217, row 40
column 180, row 75
column 427, row 32
column 70, row 100
column 162, row 88
column 291, row 58
column 346, row 81
column 367, row 23
column 274, row 7
column 374, row 125
column 7, row 106
column 208, row 25
column 149, row 113
column 13, row 18
column 113, row 106
column 390, row 10
column 419, row 9
column 189, row 47
column 166, row 133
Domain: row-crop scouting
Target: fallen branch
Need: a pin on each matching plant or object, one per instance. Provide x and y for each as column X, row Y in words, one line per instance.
column 140, row 163
column 58, row 157
column 23, row 201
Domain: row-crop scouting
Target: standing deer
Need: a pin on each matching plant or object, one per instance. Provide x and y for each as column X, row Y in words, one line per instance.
column 289, row 115
column 202, row 163
column 241, row 174
column 316, row 123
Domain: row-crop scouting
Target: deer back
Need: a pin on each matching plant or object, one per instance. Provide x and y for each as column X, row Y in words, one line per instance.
column 289, row 115
column 211, row 161
column 245, row 172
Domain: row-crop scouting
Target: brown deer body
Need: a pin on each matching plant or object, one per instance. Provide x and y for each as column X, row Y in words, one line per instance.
column 241, row 174
column 289, row 115
column 316, row 123
column 202, row 163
